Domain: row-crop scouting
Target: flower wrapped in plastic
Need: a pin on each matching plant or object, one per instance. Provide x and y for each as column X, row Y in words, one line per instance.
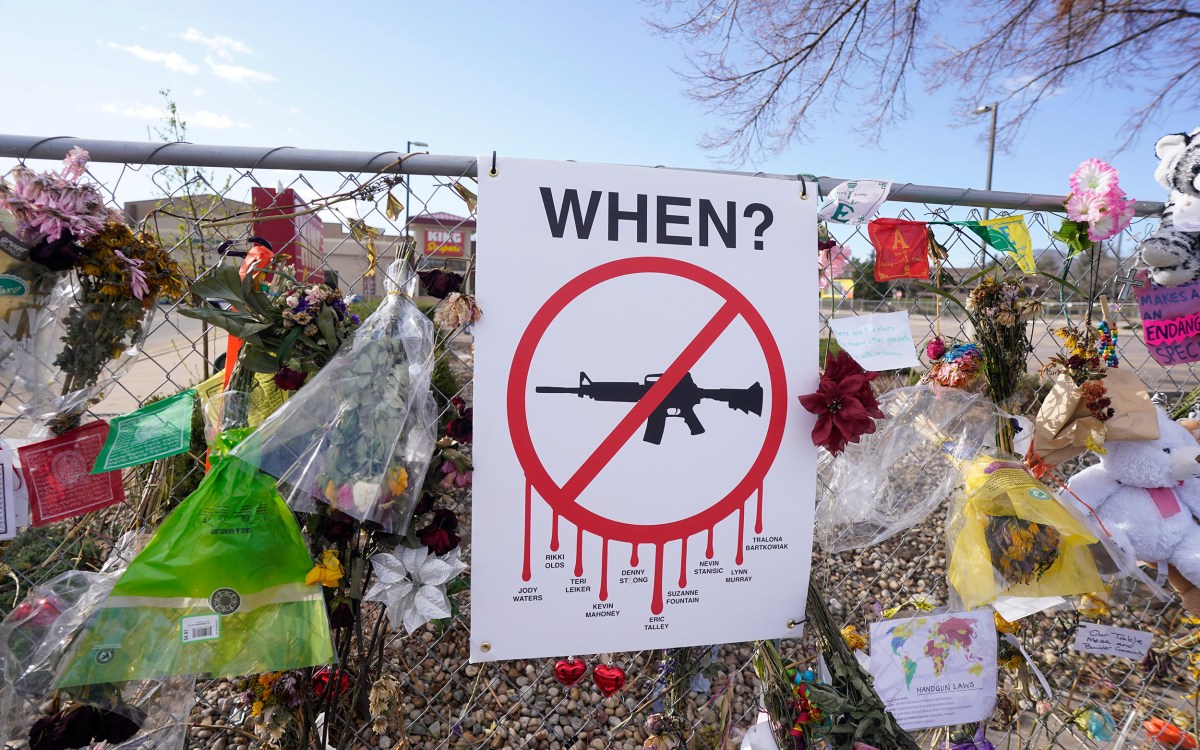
column 359, row 436
column 34, row 642
column 1009, row 535
column 894, row 478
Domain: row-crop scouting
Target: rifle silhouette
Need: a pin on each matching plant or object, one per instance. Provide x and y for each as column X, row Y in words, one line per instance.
column 680, row 402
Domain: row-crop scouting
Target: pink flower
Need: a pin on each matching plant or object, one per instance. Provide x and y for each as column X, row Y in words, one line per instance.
column 935, row 349
column 1085, row 207
column 832, row 262
column 1094, row 176
column 453, row 477
column 1113, row 219
column 137, row 277
column 75, row 163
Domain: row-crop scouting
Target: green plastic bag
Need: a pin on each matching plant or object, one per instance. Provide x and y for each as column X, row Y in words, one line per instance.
column 218, row 591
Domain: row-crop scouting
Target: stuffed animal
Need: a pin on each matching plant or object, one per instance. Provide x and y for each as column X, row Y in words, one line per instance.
column 1173, row 252
column 1147, row 495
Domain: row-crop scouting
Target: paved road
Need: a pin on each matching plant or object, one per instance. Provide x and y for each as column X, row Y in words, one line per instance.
column 172, row 358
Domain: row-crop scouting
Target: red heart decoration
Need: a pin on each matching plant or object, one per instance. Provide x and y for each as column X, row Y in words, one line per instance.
column 608, row 678
column 569, row 671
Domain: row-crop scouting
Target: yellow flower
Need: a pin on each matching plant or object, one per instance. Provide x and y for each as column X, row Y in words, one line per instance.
column 1091, row 605
column 327, row 572
column 256, row 709
column 397, row 480
column 1004, row 626
column 853, row 640
column 331, row 492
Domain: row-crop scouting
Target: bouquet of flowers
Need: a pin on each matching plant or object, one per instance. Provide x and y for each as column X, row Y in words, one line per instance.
column 1097, row 208
column 361, row 437
column 1001, row 309
column 73, row 333
column 1009, row 535
column 290, row 330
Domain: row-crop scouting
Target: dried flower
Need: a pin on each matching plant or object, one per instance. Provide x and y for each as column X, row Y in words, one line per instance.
column 440, row 535
column 440, row 282
column 456, row 310
column 328, row 572
column 844, row 404
column 288, row 379
column 935, row 349
column 853, row 640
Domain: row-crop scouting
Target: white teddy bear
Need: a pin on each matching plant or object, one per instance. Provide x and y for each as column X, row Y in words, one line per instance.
column 1173, row 252
column 1147, row 495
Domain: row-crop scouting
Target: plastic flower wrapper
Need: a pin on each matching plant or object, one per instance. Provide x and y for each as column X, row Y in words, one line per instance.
column 894, row 478
column 360, row 434
column 411, row 584
column 1009, row 535
column 219, row 590
column 34, row 639
column 87, row 331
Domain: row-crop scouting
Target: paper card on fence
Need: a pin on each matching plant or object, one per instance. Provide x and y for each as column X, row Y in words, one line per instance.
column 1171, row 321
column 156, row 431
column 56, row 474
column 11, row 485
column 1105, row 640
column 935, row 670
column 878, row 341
column 855, row 201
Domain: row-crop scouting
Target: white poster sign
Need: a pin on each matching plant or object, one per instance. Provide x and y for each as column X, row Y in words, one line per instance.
column 644, row 473
column 877, row 341
column 936, row 670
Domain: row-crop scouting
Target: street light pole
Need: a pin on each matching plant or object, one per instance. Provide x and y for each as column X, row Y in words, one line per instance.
column 408, row 193
column 994, row 107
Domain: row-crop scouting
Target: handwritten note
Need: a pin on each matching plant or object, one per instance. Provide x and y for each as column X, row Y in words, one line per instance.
column 1106, row 640
column 1171, row 323
column 879, row 341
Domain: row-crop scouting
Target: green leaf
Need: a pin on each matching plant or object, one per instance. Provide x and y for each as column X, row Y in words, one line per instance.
column 331, row 278
column 1063, row 282
column 289, row 341
column 328, row 332
column 256, row 360
column 1074, row 233
column 223, row 284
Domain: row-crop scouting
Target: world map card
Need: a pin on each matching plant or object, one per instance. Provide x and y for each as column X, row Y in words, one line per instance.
column 936, row 670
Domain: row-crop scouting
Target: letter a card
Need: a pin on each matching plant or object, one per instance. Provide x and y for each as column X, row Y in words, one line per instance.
column 644, row 474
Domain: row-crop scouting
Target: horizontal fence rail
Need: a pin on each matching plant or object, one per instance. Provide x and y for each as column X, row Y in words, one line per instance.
column 291, row 158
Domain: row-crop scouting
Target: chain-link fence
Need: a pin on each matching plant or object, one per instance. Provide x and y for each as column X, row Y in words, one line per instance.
column 341, row 211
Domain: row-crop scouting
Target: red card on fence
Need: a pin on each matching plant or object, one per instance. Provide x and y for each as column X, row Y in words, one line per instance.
column 901, row 249
column 57, row 474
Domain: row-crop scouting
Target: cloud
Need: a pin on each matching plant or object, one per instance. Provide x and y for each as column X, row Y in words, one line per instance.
column 205, row 119
column 171, row 60
column 138, row 111
column 200, row 119
column 1017, row 83
column 197, row 92
column 222, row 46
column 239, row 73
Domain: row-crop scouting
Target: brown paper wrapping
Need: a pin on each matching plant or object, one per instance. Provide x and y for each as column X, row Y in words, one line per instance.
column 1064, row 424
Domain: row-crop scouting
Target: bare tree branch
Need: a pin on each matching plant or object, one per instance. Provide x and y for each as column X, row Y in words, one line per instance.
column 773, row 68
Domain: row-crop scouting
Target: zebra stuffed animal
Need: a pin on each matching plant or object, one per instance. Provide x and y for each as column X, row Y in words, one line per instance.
column 1173, row 252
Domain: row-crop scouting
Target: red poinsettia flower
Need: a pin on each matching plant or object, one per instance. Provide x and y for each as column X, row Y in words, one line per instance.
column 844, row 404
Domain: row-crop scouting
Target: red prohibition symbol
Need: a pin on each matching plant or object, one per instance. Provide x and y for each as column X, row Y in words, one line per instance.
column 563, row 499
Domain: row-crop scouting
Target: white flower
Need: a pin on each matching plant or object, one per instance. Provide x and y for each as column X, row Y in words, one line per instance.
column 292, row 300
column 411, row 584
column 365, row 496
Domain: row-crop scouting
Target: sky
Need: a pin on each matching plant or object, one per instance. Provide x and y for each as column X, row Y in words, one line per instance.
column 582, row 80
